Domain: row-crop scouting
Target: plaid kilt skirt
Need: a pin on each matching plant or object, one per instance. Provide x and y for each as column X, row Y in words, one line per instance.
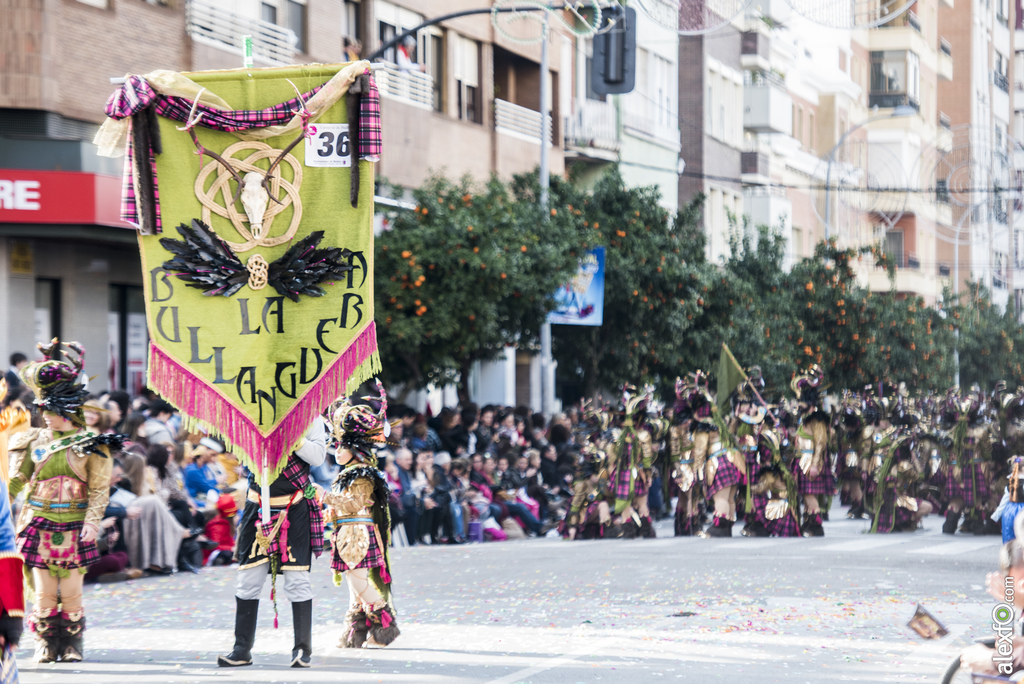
column 888, row 519
column 824, row 484
column 758, row 502
column 374, row 556
column 726, row 475
column 46, row 544
column 620, row 487
column 783, row 527
column 592, row 513
column 961, row 486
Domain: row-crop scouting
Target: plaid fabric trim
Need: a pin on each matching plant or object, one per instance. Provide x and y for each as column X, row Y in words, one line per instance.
column 29, row 540
column 136, row 94
column 783, row 527
column 297, row 474
column 374, row 556
column 370, row 140
column 727, row 475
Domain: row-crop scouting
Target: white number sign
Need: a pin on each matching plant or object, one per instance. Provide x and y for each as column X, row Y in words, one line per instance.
column 328, row 146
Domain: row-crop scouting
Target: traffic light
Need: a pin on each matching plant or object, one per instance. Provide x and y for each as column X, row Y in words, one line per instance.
column 614, row 66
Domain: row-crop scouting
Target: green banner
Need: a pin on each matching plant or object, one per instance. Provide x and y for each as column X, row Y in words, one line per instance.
column 256, row 362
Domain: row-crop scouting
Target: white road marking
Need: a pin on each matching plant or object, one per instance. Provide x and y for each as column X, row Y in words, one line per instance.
column 952, row 548
column 869, row 544
column 550, row 663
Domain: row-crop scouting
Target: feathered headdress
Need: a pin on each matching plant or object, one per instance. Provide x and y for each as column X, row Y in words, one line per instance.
column 55, row 382
column 360, row 429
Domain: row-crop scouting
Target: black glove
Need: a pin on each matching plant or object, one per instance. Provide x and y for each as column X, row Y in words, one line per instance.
column 11, row 628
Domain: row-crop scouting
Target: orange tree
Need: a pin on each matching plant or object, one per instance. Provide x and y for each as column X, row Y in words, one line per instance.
column 467, row 272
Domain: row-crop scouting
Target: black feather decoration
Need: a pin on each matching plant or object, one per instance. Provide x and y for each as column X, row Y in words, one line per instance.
column 114, row 441
column 304, row 267
column 65, row 399
column 205, row 261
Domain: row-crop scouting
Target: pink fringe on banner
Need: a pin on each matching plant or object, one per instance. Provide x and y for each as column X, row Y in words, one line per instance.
column 204, row 406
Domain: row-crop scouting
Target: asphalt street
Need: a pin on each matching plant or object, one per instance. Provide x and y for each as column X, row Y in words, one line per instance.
column 705, row 610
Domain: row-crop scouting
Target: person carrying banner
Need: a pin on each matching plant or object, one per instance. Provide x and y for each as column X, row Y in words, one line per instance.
column 64, row 470
column 286, row 544
column 358, row 506
column 812, row 467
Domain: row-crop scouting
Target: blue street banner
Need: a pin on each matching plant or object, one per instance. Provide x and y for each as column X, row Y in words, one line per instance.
column 581, row 300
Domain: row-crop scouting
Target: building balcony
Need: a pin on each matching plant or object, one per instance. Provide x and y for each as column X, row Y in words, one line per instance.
column 767, row 107
column 411, row 87
column 208, row 24
column 890, row 100
column 767, row 206
column 944, row 65
column 918, row 281
column 641, row 118
column 519, row 122
column 592, row 131
column 903, row 33
column 755, row 50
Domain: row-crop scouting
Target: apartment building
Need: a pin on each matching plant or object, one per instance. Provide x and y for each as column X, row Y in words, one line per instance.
column 777, row 96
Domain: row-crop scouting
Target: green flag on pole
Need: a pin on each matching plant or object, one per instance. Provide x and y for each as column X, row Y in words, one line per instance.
column 730, row 375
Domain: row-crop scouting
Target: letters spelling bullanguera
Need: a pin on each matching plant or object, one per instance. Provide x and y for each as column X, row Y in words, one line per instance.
column 289, row 375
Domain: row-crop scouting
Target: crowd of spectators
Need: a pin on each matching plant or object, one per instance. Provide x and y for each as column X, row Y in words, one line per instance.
column 495, row 472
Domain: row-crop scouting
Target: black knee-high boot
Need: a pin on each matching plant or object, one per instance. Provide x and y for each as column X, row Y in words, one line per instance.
column 245, row 634
column 302, row 622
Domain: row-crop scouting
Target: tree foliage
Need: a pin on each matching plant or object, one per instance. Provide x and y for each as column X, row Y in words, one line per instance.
column 468, row 272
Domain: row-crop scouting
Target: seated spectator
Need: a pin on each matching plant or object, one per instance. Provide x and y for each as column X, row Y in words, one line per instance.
column 158, row 428
column 151, row 533
column 395, row 507
column 97, row 418
column 406, row 476
column 200, row 478
column 485, row 428
column 221, row 531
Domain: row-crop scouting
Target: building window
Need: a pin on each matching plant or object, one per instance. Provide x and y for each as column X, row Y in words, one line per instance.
column 467, row 79
column 297, row 23
column 268, row 13
column 800, row 124
column 351, row 21
column 895, row 79
column 810, row 131
column 290, row 14
column 999, row 72
column 894, row 246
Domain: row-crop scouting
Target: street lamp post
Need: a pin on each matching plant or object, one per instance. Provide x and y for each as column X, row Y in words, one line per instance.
column 896, row 113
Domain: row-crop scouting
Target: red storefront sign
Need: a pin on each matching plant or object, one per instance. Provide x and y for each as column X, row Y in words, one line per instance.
column 60, row 197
